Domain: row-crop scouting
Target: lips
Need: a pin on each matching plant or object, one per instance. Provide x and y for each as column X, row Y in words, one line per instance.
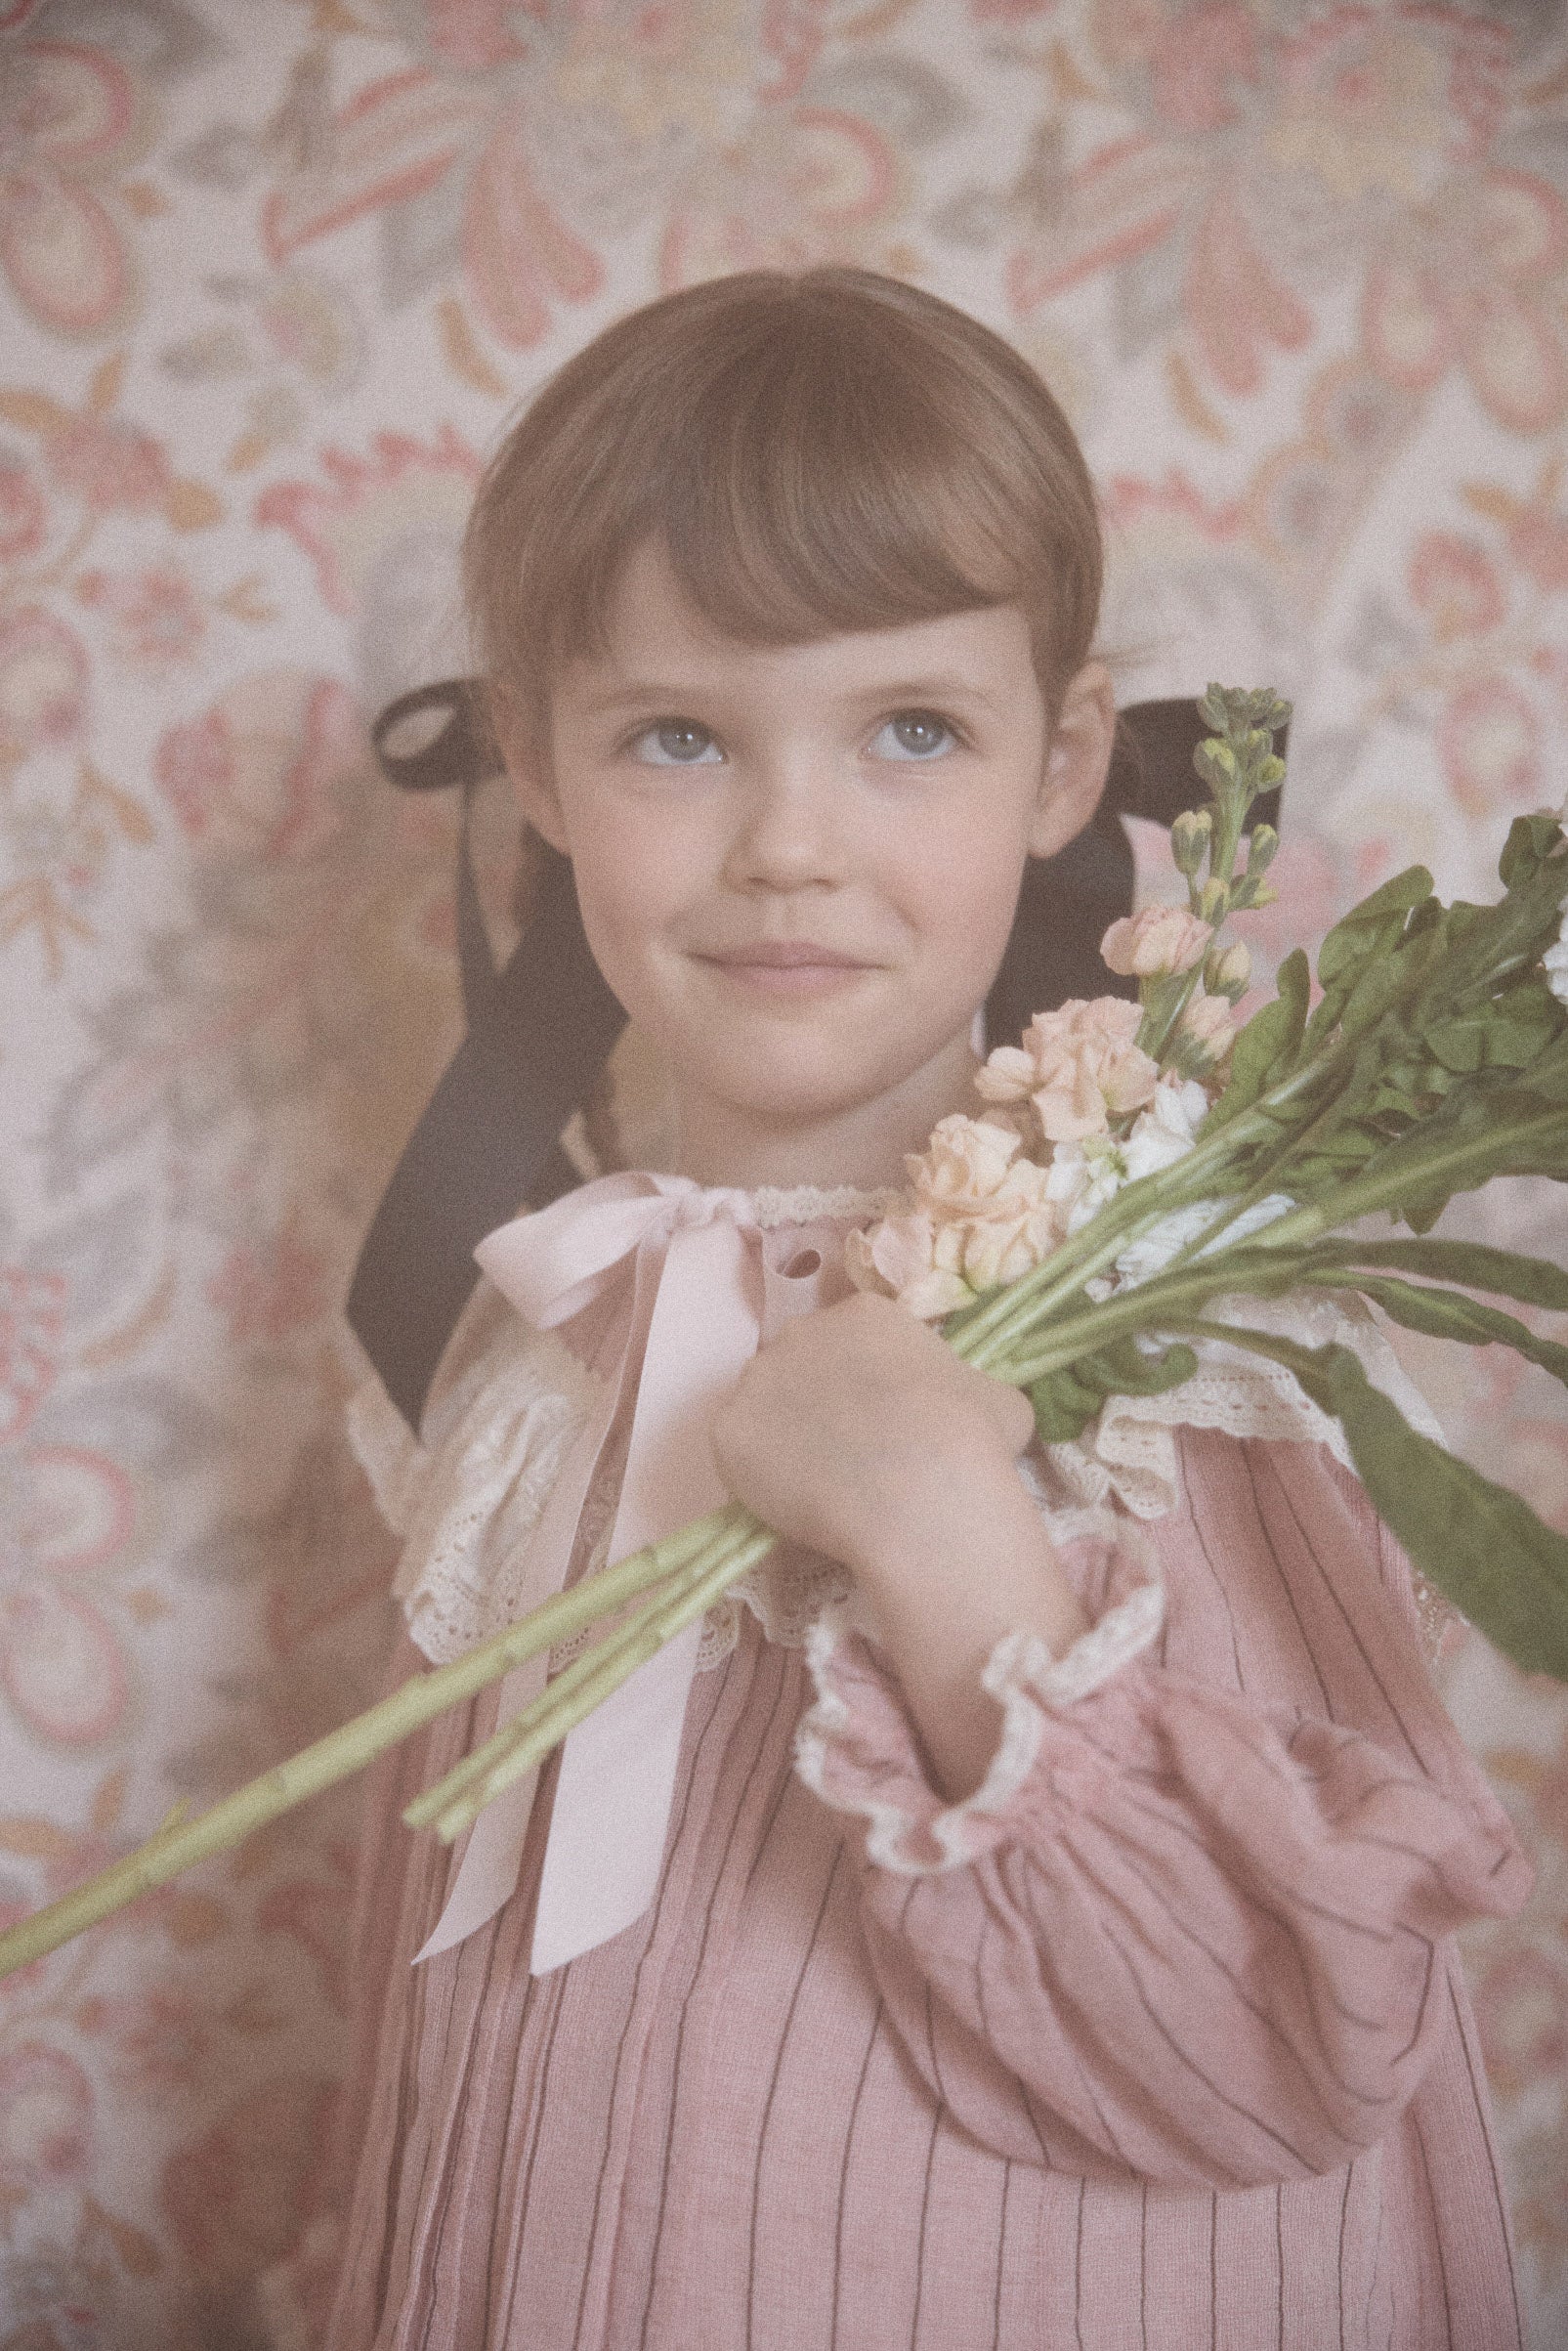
column 785, row 955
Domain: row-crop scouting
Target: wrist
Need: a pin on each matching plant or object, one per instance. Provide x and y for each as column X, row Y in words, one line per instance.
column 965, row 1559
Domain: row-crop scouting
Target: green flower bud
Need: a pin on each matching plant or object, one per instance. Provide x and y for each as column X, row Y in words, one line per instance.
column 1212, row 900
column 1189, row 838
column 1262, row 843
column 1215, row 762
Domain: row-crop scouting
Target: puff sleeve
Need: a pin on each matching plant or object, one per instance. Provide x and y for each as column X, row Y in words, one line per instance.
column 1190, row 1928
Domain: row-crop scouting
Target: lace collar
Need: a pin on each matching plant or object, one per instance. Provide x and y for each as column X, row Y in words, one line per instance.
column 815, row 1204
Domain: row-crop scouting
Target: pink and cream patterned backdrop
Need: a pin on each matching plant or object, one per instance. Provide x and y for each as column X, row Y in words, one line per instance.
column 274, row 272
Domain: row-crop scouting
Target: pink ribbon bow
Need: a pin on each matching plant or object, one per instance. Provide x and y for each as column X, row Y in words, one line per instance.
column 693, row 1259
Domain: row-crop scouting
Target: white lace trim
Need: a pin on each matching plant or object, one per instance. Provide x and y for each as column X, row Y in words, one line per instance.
column 810, row 1204
column 467, row 1502
column 467, row 1499
column 1130, row 1451
column 1023, row 1678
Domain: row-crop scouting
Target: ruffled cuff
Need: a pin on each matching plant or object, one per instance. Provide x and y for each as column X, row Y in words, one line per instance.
column 856, row 1746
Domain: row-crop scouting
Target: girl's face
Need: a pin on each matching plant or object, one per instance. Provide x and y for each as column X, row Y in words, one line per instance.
column 798, row 866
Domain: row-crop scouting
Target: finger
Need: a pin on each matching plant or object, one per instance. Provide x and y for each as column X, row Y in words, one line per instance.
column 1014, row 1415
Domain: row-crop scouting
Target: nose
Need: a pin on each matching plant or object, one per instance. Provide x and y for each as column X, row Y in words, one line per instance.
column 789, row 832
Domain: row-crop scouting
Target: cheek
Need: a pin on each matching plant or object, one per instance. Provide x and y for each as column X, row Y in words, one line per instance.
column 632, row 882
column 968, row 892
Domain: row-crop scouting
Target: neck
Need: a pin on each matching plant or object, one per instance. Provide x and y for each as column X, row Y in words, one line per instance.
column 862, row 1145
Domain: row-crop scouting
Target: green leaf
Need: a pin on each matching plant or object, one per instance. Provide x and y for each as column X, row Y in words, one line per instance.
column 1393, row 969
column 1477, row 1133
column 1531, row 839
column 1360, row 930
column 1507, row 1034
column 1065, row 1400
column 1535, row 1280
column 1268, row 1043
column 1125, row 1369
column 1548, row 1071
column 1062, row 1411
column 1450, row 1314
column 1479, row 1544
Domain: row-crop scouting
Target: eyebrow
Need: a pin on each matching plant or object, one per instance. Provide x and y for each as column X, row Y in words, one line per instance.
column 912, row 693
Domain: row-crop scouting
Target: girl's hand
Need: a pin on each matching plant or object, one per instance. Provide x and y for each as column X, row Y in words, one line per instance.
column 859, row 1435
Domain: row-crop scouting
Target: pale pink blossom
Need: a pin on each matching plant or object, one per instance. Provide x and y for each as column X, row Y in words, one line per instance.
column 963, row 1166
column 1079, row 1065
column 934, row 1262
column 46, row 2119
column 1155, row 942
column 1454, row 580
column 43, row 680
column 914, row 1258
column 1000, row 1249
column 1209, row 1024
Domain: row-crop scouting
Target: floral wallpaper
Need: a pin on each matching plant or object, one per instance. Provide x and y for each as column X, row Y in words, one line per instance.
column 274, row 272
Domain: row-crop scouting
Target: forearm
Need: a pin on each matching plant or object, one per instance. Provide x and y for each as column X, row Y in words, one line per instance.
column 964, row 1559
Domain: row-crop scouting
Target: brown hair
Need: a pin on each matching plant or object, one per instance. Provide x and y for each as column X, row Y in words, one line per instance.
column 816, row 453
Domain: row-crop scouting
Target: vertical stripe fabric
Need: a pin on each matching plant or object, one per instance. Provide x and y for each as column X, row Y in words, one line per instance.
column 1179, row 2059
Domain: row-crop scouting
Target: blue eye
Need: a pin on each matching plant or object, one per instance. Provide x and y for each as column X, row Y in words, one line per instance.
column 913, row 735
column 676, row 743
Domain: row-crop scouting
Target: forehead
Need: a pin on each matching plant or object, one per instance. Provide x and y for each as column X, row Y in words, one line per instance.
column 655, row 642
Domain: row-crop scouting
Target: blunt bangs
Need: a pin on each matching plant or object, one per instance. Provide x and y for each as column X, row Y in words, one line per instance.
column 815, row 456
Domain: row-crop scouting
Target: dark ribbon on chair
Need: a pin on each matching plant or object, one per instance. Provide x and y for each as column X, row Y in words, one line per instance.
column 541, row 1031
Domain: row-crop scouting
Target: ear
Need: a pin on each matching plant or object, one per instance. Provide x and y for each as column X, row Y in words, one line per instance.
column 1077, row 759
column 524, row 740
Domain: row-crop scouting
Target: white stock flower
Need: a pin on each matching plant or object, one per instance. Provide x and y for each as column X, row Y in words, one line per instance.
column 1554, row 964
column 1154, row 1250
column 1167, row 1129
column 1084, row 1175
column 1000, row 1249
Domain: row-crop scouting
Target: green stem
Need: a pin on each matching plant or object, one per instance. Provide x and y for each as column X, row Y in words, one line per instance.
column 1148, row 1308
column 1476, row 1155
column 342, row 1752
column 728, row 1524
column 982, row 1333
column 555, row 1713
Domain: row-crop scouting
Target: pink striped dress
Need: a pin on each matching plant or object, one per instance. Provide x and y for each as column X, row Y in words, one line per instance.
column 1158, row 2042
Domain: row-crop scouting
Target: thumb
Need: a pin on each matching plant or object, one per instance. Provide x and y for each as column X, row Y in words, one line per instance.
column 1013, row 1413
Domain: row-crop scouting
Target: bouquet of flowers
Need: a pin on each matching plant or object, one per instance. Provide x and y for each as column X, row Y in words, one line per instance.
column 1135, row 1173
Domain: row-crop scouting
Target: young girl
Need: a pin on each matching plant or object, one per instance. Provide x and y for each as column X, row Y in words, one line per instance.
column 1025, row 1921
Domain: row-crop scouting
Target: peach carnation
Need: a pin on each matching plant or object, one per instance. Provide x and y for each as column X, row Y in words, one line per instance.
column 970, row 1168
column 914, row 1258
column 1079, row 1065
column 1001, row 1248
column 1156, row 942
column 931, row 1263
